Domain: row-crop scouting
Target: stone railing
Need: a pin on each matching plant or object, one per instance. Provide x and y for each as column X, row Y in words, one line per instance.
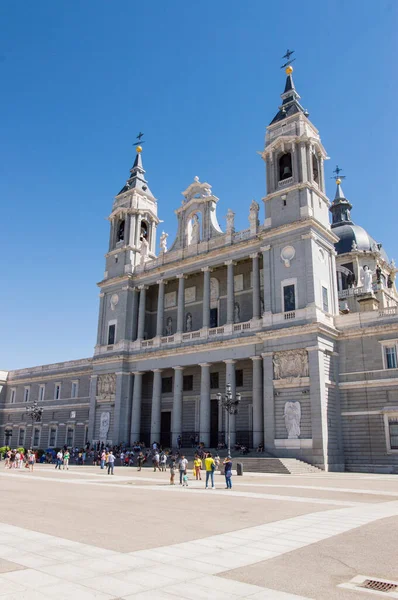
column 285, row 182
column 386, row 312
column 52, row 367
column 241, row 235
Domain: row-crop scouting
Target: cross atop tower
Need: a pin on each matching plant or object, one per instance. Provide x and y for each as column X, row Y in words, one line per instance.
column 288, row 60
column 337, row 177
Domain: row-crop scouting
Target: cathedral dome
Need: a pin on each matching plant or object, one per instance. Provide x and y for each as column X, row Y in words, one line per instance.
column 349, row 233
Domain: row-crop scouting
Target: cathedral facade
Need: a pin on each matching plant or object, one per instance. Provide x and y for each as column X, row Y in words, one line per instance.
column 296, row 313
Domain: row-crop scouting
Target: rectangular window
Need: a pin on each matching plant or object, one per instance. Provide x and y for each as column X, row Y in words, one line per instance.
column 187, row 384
column 21, row 437
column 7, row 437
column 393, row 432
column 111, row 334
column 69, row 436
column 325, row 299
column 12, row 396
column 74, row 390
column 167, row 385
column 289, row 298
column 57, row 391
column 214, row 381
column 26, row 394
column 41, row 393
column 391, row 357
column 239, row 378
column 52, row 437
column 36, row 437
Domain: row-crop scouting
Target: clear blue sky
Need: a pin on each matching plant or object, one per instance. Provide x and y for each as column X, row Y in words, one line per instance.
column 202, row 80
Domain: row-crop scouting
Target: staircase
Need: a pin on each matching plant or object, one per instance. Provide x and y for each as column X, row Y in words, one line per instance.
column 284, row 466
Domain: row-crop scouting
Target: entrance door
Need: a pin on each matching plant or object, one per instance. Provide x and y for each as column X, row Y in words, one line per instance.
column 165, row 429
column 213, row 317
column 214, row 423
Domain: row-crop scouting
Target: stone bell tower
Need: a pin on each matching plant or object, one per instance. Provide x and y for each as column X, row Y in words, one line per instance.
column 294, row 158
column 133, row 221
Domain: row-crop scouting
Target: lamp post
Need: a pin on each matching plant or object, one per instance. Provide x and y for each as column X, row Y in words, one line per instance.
column 34, row 412
column 230, row 405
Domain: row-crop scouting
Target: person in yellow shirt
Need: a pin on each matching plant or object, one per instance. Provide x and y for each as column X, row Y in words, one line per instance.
column 197, row 463
column 210, row 467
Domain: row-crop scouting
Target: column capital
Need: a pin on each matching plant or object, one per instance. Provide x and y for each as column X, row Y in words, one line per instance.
column 205, row 364
column 181, row 276
column 160, row 281
column 178, row 368
column 255, row 358
column 254, row 255
column 206, row 269
column 157, row 370
column 143, row 287
column 229, row 262
column 267, row 354
column 265, row 248
column 230, row 361
column 137, row 372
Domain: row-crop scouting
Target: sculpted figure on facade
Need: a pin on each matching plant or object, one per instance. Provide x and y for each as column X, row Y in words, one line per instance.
column 292, row 415
column 144, row 251
column 290, row 364
column 253, row 216
column 236, row 312
column 163, row 242
column 169, row 326
column 106, row 386
column 366, row 277
column 188, row 322
column 195, row 236
column 105, row 421
column 230, row 221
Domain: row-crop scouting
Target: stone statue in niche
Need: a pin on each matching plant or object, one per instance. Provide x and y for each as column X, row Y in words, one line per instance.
column 253, row 216
column 230, row 221
column 366, row 278
column 262, row 305
column 290, row 364
column 105, row 421
column 188, row 322
column 169, row 326
column 195, row 238
column 114, row 301
column 106, row 386
column 378, row 274
column 144, row 251
column 163, row 242
column 236, row 312
column 292, row 415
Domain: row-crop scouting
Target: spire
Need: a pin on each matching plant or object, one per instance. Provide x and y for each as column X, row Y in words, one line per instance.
column 340, row 207
column 137, row 172
column 290, row 98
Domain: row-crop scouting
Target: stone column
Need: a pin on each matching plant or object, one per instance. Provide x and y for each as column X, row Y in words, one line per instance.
column 258, row 415
column 269, row 405
column 156, row 405
column 205, row 404
column 266, row 250
column 295, row 163
column 141, row 312
column 93, row 407
column 206, row 297
column 134, row 314
column 131, row 241
column 322, row 447
column 176, row 427
column 230, row 291
column 181, row 303
column 160, row 314
column 138, row 231
column 122, row 410
column 100, row 330
column 230, row 378
column 256, row 286
column 135, row 432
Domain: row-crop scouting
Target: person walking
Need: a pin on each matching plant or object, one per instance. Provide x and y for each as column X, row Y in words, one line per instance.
column 210, row 468
column 31, row 460
column 179, row 442
column 102, row 461
column 228, row 472
column 155, row 461
column 66, row 460
column 172, row 471
column 163, row 461
column 197, row 464
column 140, row 461
column 182, row 465
column 111, row 462
column 60, row 457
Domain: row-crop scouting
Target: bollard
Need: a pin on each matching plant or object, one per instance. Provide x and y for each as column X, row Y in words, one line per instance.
column 239, row 468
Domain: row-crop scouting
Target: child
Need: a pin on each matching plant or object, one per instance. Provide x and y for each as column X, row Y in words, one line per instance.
column 172, row 471
column 185, row 480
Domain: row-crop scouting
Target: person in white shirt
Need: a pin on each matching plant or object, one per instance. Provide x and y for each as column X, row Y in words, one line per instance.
column 182, row 465
column 111, row 462
column 60, row 459
column 155, row 461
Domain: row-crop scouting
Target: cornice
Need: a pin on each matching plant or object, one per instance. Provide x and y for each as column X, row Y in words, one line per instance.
column 40, row 378
column 298, row 330
column 368, row 331
column 298, row 186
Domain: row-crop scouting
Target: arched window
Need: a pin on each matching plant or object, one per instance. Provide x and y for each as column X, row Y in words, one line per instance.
column 285, row 166
column 120, row 230
column 315, row 168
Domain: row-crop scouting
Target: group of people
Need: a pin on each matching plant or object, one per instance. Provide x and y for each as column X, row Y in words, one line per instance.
column 63, row 457
column 211, row 465
column 16, row 459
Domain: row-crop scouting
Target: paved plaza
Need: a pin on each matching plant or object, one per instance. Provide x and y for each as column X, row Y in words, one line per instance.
column 82, row 535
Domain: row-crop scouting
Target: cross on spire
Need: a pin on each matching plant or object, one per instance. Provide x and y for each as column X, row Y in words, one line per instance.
column 139, row 136
column 288, row 59
column 337, row 177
